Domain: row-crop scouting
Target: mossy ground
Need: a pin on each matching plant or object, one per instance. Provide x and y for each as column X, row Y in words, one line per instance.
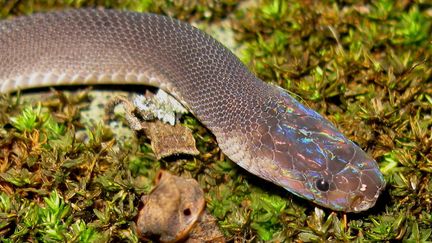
column 365, row 66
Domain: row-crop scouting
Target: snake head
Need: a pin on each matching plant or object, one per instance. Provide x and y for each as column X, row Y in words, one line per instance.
column 301, row 151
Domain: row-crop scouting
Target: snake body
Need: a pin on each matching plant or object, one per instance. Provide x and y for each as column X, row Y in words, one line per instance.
column 258, row 125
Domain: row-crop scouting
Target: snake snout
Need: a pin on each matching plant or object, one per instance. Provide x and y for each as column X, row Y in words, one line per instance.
column 371, row 185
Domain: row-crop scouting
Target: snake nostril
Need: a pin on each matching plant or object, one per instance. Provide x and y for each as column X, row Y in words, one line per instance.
column 322, row 185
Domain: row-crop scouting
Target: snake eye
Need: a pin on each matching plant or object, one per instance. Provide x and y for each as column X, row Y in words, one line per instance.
column 322, row 185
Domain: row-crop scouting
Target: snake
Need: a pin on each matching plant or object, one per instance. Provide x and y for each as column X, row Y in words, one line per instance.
column 258, row 125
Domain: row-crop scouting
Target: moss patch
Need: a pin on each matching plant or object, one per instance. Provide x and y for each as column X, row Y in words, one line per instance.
column 365, row 66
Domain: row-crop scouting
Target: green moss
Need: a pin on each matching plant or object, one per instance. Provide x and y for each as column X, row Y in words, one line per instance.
column 265, row 215
column 367, row 67
column 51, row 221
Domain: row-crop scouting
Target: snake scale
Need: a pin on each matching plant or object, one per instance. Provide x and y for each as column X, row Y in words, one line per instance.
column 257, row 125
